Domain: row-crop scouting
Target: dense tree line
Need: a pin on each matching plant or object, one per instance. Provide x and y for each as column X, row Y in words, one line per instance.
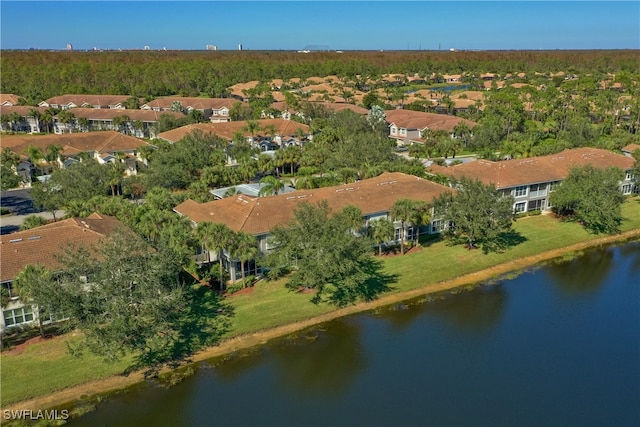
column 39, row 75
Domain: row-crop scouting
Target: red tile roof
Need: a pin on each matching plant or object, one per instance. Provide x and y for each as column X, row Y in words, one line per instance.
column 42, row 245
column 9, row 98
column 554, row 167
column 23, row 110
column 410, row 119
column 631, row 148
column 260, row 215
column 227, row 130
column 73, row 143
column 191, row 102
column 96, row 100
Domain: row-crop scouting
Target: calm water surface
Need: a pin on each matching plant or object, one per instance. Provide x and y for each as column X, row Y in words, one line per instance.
column 559, row 346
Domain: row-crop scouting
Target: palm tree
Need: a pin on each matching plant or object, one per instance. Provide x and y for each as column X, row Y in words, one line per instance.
column 421, row 216
column 47, row 119
column 252, row 127
column 270, row 130
column 53, row 152
column 33, row 112
column 244, row 248
column 35, row 154
column 9, row 158
column 402, row 210
column 291, row 156
column 83, row 124
column 305, row 179
column 138, row 126
column 15, row 119
column 272, row 186
column 215, row 237
column 381, row 231
column 66, row 117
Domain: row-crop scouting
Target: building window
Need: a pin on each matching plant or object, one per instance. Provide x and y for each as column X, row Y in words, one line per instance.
column 18, row 316
column 520, row 191
column 437, row 226
column 396, row 234
column 536, row 205
column 403, row 131
column 394, row 130
column 11, row 293
column 537, row 190
column 553, row 185
column 627, row 176
column 520, row 207
column 627, row 189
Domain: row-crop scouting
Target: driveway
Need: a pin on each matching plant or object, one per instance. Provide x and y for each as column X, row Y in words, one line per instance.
column 20, row 203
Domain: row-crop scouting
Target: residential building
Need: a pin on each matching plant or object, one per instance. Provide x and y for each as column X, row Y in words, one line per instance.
column 213, row 109
column 105, row 146
column 278, row 130
column 67, row 102
column 530, row 181
column 43, row 245
column 139, row 123
column 286, row 112
column 374, row 197
column 408, row 126
column 629, row 149
column 22, row 118
column 8, row 99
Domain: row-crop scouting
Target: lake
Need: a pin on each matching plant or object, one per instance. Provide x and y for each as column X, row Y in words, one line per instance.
column 555, row 346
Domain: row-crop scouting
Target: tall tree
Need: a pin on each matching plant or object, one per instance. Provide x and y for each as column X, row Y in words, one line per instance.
column 323, row 254
column 215, row 237
column 403, row 211
column 35, row 284
column 480, row 214
column 244, row 247
column 381, row 231
column 272, row 186
column 592, row 196
column 124, row 297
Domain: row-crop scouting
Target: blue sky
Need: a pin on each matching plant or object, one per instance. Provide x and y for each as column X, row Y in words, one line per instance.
column 336, row 25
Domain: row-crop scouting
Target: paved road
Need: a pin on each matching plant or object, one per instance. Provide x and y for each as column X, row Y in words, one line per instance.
column 20, row 203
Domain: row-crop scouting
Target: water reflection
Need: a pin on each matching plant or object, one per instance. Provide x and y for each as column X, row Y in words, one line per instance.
column 320, row 363
column 585, row 273
column 632, row 253
column 476, row 310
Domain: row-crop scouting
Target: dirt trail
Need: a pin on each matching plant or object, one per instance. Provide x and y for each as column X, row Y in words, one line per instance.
column 119, row 382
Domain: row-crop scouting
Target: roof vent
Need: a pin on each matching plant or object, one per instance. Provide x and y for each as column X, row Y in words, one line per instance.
column 15, row 240
column 34, row 237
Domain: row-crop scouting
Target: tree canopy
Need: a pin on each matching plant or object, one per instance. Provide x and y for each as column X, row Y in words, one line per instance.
column 321, row 252
column 592, row 196
column 480, row 215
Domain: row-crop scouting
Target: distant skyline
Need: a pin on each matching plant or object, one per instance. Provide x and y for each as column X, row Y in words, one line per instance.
column 320, row 25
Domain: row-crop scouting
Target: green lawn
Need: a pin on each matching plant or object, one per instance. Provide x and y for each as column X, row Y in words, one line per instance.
column 46, row 367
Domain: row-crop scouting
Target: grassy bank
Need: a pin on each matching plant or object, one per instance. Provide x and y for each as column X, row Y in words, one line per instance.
column 44, row 368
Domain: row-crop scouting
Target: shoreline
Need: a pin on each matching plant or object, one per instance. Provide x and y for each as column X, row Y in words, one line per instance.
column 84, row 392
